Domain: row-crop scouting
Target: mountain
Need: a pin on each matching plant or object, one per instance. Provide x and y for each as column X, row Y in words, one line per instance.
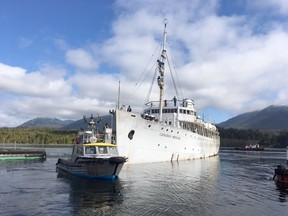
column 99, row 121
column 67, row 124
column 270, row 119
column 45, row 122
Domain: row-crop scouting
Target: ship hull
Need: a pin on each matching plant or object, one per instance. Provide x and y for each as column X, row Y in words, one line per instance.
column 145, row 141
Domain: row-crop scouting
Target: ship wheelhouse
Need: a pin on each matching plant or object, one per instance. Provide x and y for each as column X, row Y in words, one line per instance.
column 173, row 112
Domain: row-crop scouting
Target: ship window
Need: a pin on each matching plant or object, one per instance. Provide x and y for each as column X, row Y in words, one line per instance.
column 155, row 110
column 90, row 150
column 102, row 150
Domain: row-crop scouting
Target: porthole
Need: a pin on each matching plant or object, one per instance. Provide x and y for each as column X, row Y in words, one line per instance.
column 131, row 134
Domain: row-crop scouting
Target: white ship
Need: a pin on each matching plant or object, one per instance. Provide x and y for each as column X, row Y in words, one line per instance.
column 167, row 130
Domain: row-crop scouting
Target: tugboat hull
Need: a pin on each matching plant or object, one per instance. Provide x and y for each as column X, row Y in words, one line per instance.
column 102, row 168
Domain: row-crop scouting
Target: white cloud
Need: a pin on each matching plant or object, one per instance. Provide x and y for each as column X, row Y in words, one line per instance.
column 81, row 58
column 17, row 80
column 223, row 63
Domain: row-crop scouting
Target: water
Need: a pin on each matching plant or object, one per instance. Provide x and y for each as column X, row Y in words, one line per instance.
column 235, row 183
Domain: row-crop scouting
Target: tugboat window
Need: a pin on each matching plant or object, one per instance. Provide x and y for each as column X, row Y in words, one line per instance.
column 102, row 150
column 79, row 150
column 90, row 150
column 113, row 150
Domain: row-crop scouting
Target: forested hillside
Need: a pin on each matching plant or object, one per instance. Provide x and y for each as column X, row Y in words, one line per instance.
column 229, row 137
column 239, row 137
column 36, row 136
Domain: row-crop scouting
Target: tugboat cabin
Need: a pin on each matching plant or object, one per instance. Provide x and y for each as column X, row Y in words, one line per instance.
column 93, row 150
column 89, row 145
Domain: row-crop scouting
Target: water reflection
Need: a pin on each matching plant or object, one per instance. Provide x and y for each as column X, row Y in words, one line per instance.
column 282, row 188
column 90, row 196
column 169, row 188
column 11, row 165
column 234, row 183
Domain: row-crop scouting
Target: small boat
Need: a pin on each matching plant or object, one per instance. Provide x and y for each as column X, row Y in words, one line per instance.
column 93, row 156
column 255, row 147
column 281, row 173
column 21, row 154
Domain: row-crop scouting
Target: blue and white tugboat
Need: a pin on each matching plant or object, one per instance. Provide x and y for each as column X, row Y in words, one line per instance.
column 94, row 155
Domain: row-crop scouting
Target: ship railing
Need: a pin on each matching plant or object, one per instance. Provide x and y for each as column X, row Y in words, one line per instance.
column 167, row 103
column 199, row 129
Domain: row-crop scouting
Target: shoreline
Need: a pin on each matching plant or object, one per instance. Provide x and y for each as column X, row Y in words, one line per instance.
column 13, row 145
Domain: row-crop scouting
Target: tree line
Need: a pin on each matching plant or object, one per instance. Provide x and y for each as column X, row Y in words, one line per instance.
column 240, row 137
column 36, row 136
column 229, row 137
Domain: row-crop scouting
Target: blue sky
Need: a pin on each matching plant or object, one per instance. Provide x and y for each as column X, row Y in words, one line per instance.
column 64, row 58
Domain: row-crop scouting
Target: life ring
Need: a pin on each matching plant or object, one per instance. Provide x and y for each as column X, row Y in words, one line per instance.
column 93, row 139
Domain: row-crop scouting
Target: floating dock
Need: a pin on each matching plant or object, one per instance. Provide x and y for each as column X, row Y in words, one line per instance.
column 21, row 154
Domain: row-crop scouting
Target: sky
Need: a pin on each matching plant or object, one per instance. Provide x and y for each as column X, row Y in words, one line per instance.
column 66, row 58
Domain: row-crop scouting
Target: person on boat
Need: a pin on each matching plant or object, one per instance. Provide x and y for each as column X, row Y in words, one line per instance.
column 175, row 100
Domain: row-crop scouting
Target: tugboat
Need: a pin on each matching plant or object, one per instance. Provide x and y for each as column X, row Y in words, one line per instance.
column 254, row 147
column 281, row 173
column 94, row 155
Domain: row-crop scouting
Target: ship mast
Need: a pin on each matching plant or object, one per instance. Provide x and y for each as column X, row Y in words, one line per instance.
column 161, row 69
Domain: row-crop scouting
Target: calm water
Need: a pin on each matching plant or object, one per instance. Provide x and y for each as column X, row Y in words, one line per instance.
column 235, row 183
